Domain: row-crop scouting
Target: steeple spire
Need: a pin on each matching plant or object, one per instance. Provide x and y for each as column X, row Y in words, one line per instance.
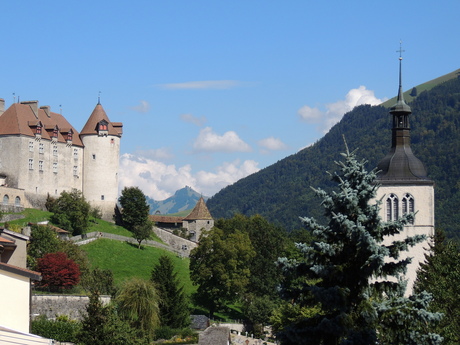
column 400, row 105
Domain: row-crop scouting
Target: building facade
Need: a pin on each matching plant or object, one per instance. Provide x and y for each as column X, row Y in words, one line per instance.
column 42, row 154
column 406, row 188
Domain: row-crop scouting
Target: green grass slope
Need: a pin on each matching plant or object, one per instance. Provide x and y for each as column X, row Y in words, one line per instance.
column 126, row 261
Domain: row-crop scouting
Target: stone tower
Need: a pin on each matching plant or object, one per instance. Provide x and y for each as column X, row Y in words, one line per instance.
column 101, row 139
column 198, row 220
column 405, row 187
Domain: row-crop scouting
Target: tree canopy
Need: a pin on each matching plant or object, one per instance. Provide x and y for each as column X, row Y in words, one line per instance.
column 71, row 212
column 135, row 210
column 340, row 286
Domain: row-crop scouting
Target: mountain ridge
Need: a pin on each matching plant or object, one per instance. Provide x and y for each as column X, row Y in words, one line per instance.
column 183, row 199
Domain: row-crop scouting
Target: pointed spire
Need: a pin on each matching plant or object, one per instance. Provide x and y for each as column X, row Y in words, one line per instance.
column 400, row 106
column 99, row 98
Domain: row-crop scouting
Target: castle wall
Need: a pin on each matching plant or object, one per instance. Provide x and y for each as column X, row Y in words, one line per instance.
column 100, row 173
column 423, row 224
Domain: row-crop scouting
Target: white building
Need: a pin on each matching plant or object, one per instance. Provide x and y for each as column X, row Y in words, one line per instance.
column 42, row 154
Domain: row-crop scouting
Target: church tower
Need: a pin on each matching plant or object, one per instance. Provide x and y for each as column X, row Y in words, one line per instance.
column 405, row 187
column 101, row 139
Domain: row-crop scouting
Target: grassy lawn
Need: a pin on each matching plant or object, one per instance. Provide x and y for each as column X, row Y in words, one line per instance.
column 126, row 261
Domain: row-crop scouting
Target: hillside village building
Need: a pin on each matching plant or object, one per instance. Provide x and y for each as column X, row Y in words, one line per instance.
column 405, row 188
column 42, row 154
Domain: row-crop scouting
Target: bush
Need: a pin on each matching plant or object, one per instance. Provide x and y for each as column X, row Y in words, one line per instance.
column 61, row 329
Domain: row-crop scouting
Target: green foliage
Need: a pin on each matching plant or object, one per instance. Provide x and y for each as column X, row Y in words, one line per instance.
column 345, row 266
column 99, row 281
column 281, row 191
column 137, row 303
column 71, row 212
column 62, row 329
column 102, row 326
column 43, row 240
column 173, row 307
column 142, row 232
column 220, row 267
column 75, row 253
column 135, row 210
column 440, row 276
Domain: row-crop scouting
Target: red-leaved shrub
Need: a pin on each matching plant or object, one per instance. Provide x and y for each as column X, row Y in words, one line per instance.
column 58, row 271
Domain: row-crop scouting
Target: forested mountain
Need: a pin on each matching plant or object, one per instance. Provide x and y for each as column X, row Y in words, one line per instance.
column 281, row 192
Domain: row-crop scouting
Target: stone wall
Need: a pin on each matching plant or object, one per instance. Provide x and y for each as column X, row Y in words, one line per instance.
column 180, row 245
column 52, row 305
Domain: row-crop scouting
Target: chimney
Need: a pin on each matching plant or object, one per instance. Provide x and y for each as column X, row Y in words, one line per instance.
column 33, row 105
column 2, row 106
column 47, row 109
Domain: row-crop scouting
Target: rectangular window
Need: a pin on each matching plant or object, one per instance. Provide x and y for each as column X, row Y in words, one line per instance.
column 40, row 165
column 94, row 156
column 41, row 148
column 55, row 150
column 31, row 164
column 75, row 170
column 75, row 154
column 31, row 146
column 55, row 167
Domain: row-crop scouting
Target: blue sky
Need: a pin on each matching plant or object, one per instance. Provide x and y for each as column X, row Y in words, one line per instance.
column 211, row 91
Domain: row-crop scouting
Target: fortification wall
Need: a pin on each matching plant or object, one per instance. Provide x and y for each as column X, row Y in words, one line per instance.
column 179, row 244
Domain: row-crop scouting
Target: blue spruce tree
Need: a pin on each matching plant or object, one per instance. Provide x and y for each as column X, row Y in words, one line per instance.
column 349, row 283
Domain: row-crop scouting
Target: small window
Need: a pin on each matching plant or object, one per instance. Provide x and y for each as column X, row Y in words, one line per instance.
column 55, row 150
column 41, row 148
column 75, row 170
column 31, row 146
column 31, row 164
column 55, row 167
column 408, row 204
column 38, row 130
column 40, row 165
column 75, row 154
column 6, row 199
column 94, row 156
column 17, row 201
column 102, row 197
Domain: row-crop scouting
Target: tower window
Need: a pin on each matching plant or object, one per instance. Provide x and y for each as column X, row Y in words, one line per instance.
column 94, row 156
column 31, row 164
column 31, row 146
column 75, row 154
column 55, row 150
column 392, row 206
column 40, row 165
column 102, row 197
column 408, row 204
column 55, row 167
column 41, row 148
column 75, row 170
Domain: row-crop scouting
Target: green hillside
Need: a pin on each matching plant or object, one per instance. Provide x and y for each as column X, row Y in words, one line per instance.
column 281, row 192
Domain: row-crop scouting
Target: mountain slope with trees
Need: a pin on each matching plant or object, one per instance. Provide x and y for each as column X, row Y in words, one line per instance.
column 281, row 192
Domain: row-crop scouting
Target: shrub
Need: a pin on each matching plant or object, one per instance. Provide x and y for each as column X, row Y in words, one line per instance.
column 61, row 329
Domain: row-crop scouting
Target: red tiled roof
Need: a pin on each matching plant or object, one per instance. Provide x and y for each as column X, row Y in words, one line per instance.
column 98, row 115
column 165, row 219
column 20, row 117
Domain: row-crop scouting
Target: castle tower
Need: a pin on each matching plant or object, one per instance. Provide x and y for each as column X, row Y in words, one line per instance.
column 405, row 187
column 199, row 219
column 101, row 139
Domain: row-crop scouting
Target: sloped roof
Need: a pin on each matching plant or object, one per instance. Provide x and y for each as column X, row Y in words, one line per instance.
column 20, row 271
column 19, row 117
column 215, row 336
column 97, row 116
column 165, row 219
column 200, row 211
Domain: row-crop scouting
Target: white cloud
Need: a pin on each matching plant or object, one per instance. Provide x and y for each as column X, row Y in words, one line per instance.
column 199, row 121
column 271, row 144
column 206, row 84
column 162, row 154
column 143, row 107
column 209, row 141
column 160, row 181
column 335, row 111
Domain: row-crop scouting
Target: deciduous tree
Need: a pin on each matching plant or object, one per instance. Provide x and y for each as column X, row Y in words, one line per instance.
column 43, row 240
column 58, row 272
column 135, row 210
column 71, row 212
column 220, row 267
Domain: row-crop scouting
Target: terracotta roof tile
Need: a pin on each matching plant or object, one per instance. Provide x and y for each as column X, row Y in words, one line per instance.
column 165, row 219
column 98, row 115
column 21, row 271
column 200, row 211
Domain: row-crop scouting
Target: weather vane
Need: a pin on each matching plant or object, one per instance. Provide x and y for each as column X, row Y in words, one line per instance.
column 99, row 98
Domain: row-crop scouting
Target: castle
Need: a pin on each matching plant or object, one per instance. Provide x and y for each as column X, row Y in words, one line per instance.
column 42, row 154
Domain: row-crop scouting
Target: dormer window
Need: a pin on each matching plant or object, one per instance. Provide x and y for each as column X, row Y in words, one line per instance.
column 69, row 135
column 38, row 130
column 103, row 128
column 54, row 135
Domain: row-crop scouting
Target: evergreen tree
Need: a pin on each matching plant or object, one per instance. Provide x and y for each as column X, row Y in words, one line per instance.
column 440, row 276
column 173, row 307
column 343, row 273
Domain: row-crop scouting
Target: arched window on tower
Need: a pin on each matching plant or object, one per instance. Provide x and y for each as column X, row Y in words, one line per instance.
column 392, row 206
column 408, row 204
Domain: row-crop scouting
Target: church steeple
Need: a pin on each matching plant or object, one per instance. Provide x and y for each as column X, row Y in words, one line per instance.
column 400, row 164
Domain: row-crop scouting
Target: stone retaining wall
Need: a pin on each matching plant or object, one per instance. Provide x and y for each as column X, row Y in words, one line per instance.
column 52, row 305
